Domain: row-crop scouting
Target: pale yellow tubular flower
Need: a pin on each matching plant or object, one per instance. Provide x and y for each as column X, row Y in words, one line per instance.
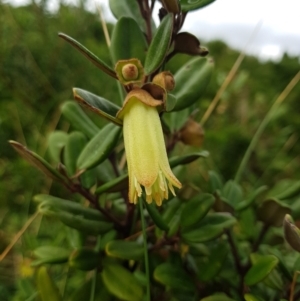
column 147, row 160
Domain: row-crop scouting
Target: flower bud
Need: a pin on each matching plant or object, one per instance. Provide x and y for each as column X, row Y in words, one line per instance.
column 165, row 79
column 192, row 133
column 130, row 72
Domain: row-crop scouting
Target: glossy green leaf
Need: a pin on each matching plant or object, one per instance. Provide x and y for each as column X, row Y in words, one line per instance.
column 272, row 212
column 186, row 159
column 37, row 161
column 65, row 205
column 232, row 193
column 47, row 289
column 211, row 267
column 97, row 104
column 129, row 8
column 56, row 142
column 159, row 45
column 199, row 71
column 79, row 119
column 99, row 148
column 89, row 55
column 121, row 283
column 196, row 208
column 118, row 184
column 173, row 276
column 156, row 216
column 74, row 145
column 187, row 5
column 212, row 226
column 84, row 259
column 125, row 249
column 128, row 41
column 260, row 269
column 50, row 254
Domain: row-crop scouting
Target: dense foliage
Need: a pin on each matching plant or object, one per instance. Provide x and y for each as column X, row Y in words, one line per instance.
column 220, row 235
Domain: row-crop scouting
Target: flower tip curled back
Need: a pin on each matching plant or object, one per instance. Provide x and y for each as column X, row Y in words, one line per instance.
column 147, row 160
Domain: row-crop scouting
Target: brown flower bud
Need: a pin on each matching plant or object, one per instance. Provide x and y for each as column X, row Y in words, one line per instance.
column 192, row 133
column 130, row 72
column 165, row 79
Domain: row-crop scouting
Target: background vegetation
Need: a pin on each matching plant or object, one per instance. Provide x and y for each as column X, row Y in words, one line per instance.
column 37, row 73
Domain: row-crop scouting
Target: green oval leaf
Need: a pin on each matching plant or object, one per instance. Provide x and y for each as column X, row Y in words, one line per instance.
column 37, row 161
column 56, row 142
column 125, row 249
column 159, row 45
column 47, row 289
column 198, row 71
column 115, row 185
column 173, row 276
column 79, row 119
column 171, row 216
column 50, row 254
column 121, row 283
column 77, row 222
column 260, row 269
column 128, row 41
column 186, row 159
column 89, row 55
column 156, row 216
column 97, row 104
column 196, row 209
column 212, row 226
column 187, row 5
column 99, row 148
column 58, row 204
column 232, row 193
column 74, row 145
column 84, row 259
column 129, row 8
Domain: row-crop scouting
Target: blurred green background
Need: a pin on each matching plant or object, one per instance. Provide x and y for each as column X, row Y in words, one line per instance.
column 38, row 71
